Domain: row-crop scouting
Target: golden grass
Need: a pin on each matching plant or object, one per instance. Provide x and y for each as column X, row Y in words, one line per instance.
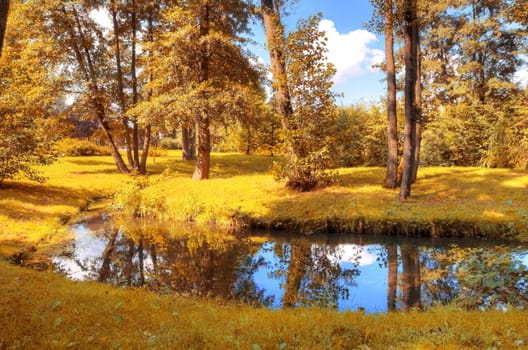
column 41, row 310
column 485, row 197
column 32, row 216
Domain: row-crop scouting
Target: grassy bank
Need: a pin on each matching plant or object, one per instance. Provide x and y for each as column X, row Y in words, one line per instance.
column 41, row 310
column 445, row 201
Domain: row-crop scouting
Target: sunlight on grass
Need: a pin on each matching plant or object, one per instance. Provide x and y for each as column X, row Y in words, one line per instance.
column 43, row 311
column 242, row 188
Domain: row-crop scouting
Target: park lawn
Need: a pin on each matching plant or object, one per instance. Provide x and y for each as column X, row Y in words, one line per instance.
column 33, row 216
column 41, row 310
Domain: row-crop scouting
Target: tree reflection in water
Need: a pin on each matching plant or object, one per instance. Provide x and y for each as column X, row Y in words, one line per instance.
column 310, row 271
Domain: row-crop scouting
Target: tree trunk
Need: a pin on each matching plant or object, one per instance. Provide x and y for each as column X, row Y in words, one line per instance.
column 201, row 171
column 392, row 257
column 203, row 162
column 88, row 71
column 392, row 127
column 409, row 143
column 4, row 11
column 188, row 143
column 146, row 148
column 120, row 84
column 274, row 31
column 148, row 128
column 133, row 73
column 418, row 105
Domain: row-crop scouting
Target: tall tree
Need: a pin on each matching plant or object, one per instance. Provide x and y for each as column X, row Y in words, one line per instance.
column 417, row 104
column 4, row 10
column 302, row 81
column 201, row 171
column 31, row 84
column 201, row 74
column 83, row 39
column 114, row 12
column 274, row 31
column 392, row 126
column 410, row 52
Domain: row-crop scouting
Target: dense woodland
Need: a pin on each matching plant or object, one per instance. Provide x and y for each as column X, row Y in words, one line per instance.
column 179, row 74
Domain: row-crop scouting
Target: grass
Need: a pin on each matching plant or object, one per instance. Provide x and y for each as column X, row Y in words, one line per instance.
column 43, row 310
column 492, row 201
column 32, row 216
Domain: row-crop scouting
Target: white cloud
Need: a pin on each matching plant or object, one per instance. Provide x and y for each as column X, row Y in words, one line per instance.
column 521, row 77
column 102, row 17
column 350, row 53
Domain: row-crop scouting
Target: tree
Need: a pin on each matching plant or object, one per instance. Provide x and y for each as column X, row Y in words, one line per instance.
column 392, row 127
column 30, row 83
column 200, row 73
column 4, row 10
column 274, row 31
column 411, row 64
column 470, row 55
column 302, row 82
column 82, row 40
column 385, row 9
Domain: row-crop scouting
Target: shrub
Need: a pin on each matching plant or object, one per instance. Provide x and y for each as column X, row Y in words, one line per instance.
column 170, row 143
column 80, row 148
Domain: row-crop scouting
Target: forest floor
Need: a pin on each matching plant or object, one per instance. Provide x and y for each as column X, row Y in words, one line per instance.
column 43, row 310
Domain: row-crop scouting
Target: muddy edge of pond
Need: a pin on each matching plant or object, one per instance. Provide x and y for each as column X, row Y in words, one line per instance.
column 436, row 229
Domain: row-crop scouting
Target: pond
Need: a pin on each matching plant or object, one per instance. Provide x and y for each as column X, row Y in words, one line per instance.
column 345, row 272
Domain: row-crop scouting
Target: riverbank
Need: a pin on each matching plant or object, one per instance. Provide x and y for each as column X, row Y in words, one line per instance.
column 44, row 310
column 41, row 310
column 470, row 202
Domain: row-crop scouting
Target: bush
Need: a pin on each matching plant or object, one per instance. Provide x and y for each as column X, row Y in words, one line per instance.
column 170, row 143
column 80, row 148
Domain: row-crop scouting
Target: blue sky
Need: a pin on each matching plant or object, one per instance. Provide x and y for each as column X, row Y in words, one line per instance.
column 352, row 49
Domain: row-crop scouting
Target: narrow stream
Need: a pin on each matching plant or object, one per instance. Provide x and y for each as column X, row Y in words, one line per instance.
column 374, row 274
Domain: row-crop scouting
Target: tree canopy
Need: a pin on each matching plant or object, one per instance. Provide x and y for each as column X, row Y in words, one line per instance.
column 158, row 69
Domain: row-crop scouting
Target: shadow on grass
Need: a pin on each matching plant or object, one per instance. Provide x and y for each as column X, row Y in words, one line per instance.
column 23, row 200
column 92, row 161
column 444, row 202
column 223, row 165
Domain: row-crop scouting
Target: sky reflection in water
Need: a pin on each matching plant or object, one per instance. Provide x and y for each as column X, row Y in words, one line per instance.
column 343, row 272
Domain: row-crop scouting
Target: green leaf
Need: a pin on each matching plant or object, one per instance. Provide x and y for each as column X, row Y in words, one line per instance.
column 151, row 340
column 117, row 319
column 256, row 347
column 56, row 305
column 118, row 304
column 282, row 346
column 58, row 321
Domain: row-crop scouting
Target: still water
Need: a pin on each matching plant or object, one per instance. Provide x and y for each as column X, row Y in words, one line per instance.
column 374, row 274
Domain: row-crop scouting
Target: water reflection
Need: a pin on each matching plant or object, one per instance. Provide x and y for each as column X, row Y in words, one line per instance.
column 342, row 272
